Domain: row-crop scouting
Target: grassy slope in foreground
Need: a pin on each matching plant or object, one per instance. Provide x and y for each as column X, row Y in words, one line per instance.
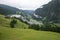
column 4, row 22
column 26, row 34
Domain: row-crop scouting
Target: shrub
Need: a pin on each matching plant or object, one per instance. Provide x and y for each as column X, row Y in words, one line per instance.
column 12, row 23
column 34, row 26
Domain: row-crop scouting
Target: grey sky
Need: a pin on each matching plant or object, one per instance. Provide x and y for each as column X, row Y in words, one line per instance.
column 25, row 4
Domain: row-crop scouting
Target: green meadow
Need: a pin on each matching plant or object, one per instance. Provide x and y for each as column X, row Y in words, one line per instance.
column 26, row 34
column 21, row 32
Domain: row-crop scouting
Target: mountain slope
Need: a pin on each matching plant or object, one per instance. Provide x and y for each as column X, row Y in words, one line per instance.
column 6, row 23
column 5, row 9
column 19, row 33
column 8, row 10
column 51, row 11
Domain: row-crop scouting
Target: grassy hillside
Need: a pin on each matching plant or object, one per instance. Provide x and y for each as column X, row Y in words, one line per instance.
column 7, row 33
column 26, row 34
column 6, row 23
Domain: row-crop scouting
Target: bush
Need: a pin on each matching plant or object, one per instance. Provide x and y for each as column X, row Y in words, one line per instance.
column 12, row 23
column 34, row 26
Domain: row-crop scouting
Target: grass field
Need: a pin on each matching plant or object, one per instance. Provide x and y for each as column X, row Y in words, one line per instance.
column 26, row 34
column 19, row 33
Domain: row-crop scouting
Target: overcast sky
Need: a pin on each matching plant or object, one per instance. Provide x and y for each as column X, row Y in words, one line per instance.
column 25, row 4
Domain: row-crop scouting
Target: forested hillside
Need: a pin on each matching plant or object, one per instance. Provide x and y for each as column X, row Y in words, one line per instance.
column 7, row 10
column 51, row 11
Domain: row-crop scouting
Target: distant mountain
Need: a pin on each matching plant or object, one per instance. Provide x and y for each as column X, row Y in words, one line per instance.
column 5, row 9
column 28, row 11
column 8, row 10
column 50, row 11
column 26, row 15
